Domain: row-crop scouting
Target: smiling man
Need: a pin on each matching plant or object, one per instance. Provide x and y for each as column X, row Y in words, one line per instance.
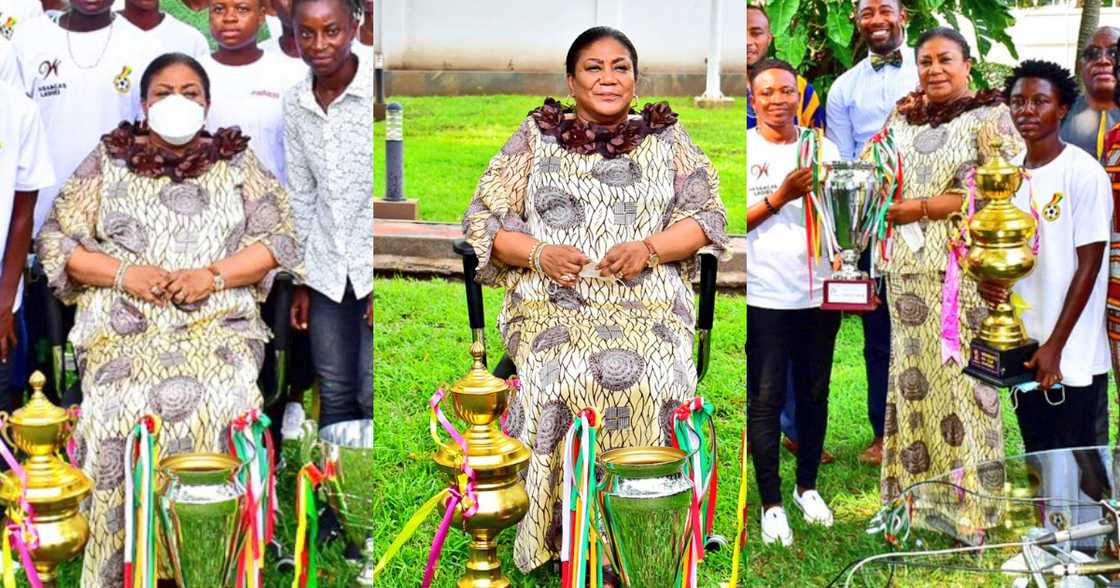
column 1095, row 112
column 858, row 105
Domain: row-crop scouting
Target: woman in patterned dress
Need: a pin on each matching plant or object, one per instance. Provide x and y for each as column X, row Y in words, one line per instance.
column 629, row 195
column 938, row 419
column 166, row 248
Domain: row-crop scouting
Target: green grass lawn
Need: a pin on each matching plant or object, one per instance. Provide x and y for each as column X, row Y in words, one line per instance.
column 421, row 341
column 449, row 140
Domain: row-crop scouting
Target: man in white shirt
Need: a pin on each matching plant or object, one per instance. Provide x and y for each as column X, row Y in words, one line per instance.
column 25, row 168
column 784, row 322
column 284, row 44
column 173, row 34
column 858, row 104
column 84, row 75
column 1066, row 291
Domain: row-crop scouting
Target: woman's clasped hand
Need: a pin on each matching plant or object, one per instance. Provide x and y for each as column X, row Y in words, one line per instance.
column 159, row 286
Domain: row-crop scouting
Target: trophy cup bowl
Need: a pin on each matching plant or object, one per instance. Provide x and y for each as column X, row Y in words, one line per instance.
column 200, row 503
column 644, row 498
column 848, row 193
column 497, row 459
column 346, row 457
column 1000, row 253
column 55, row 489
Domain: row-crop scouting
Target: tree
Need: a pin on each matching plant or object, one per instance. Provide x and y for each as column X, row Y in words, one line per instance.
column 818, row 37
column 1090, row 18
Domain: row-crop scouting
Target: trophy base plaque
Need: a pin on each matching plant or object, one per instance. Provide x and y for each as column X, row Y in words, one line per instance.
column 854, row 295
column 1001, row 368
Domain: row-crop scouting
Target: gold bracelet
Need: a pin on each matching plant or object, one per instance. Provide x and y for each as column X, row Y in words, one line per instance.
column 535, row 256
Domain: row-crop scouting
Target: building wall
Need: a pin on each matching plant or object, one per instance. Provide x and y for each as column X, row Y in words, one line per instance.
column 1048, row 33
column 533, row 35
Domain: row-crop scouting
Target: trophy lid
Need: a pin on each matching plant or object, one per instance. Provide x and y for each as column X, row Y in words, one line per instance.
column 38, row 412
column 478, row 380
column 996, row 164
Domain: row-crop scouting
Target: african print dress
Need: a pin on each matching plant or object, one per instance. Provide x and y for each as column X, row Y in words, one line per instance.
column 937, row 418
column 193, row 365
column 624, row 348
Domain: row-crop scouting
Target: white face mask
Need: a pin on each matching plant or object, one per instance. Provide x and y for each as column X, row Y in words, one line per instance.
column 176, row 119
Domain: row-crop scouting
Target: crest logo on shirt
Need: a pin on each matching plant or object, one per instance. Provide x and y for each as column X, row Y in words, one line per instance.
column 122, row 83
column 760, row 170
column 8, row 27
column 1052, row 211
column 49, row 68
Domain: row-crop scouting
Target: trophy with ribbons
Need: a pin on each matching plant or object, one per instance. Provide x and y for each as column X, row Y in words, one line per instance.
column 849, row 212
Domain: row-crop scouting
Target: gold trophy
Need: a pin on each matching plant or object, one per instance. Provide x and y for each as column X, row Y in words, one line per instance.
column 480, row 399
column 1000, row 254
column 54, row 488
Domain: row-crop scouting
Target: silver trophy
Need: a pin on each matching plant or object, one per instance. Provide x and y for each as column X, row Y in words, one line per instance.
column 346, row 457
column 644, row 499
column 848, row 211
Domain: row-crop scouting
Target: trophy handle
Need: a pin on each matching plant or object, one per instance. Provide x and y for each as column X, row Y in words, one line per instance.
column 309, row 441
column 4, row 416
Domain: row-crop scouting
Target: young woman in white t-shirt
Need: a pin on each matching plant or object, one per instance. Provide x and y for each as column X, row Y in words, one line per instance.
column 247, row 82
column 784, row 322
column 1067, row 289
column 173, row 34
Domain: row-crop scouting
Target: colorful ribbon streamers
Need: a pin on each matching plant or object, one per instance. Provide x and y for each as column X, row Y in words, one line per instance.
column 21, row 530
column 741, row 509
column 579, row 544
column 250, row 441
column 688, row 423
column 140, row 459
column 889, row 173
column 307, row 528
column 810, row 144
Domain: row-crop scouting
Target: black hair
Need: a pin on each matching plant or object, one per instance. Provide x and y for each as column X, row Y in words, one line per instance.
column 761, row 11
column 167, row 60
column 767, row 64
column 944, row 33
column 353, row 7
column 594, row 34
column 1058, row 76
column 897, row 4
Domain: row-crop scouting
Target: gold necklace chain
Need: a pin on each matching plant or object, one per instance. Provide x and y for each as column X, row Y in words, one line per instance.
column 100, row 55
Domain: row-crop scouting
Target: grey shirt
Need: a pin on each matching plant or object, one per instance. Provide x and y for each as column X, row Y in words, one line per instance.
column 1082, row 126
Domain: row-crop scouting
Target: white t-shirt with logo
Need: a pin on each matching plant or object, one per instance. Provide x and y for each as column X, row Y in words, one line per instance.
column 251, row 97
column 777, row 255
column 85, row 84
column 1080, row 216
column 177, row 36
column 9, row 72
column 14, row 13
column 25, row 161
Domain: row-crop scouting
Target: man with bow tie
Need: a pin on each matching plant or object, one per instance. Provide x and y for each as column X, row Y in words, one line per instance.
column 858, row 104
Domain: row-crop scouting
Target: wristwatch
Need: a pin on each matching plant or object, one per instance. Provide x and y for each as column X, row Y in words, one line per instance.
column 219, row 281
column 654, row 259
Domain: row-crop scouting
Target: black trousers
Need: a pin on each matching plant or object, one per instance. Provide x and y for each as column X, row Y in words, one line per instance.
column 1069, row 423
column 776, row 340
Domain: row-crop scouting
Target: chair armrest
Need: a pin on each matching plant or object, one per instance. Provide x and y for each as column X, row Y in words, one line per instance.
column 709, row 267
column 475, row 310
column 279, row 321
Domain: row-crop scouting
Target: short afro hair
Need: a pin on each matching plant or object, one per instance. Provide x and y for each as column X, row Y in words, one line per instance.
column 1057, row 75
column 768, row 64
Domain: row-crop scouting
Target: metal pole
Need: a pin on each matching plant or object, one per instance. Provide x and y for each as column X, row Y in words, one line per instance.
column 394, row 153
column 378, row 55
column 712, row 91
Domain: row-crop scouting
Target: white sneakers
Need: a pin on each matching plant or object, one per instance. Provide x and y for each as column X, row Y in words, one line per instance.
column 813, row 508
column 291, row 421
column 775, row 524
